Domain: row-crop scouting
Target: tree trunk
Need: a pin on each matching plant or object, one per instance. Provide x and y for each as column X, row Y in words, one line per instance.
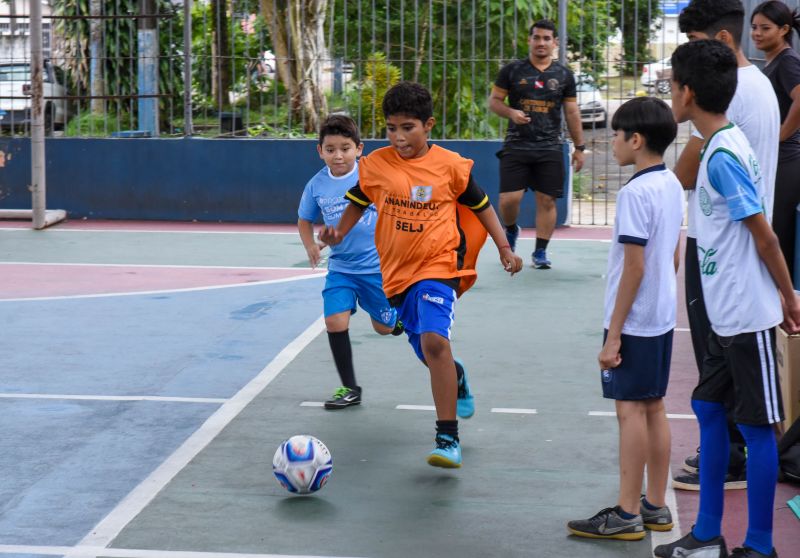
column 298, row 36
column 220, row 54
column 96, row 59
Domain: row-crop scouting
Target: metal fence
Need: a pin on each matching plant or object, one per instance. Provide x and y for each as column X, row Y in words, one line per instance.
column 273, row 68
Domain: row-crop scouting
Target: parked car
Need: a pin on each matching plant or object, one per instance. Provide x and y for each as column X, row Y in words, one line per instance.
column 590, row 103
column 650, row 71
column 15, row 81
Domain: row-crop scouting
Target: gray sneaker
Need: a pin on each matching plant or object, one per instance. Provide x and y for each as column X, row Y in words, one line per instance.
column 608, row 524
column 690, row 547
column 656, row 520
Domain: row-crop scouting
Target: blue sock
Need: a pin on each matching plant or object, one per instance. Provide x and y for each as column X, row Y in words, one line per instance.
column 762, row 476
column 648, row 505
column 714, row 446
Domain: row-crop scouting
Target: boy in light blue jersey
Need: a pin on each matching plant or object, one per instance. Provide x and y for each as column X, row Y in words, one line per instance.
column 747, row 292
column 354, row 276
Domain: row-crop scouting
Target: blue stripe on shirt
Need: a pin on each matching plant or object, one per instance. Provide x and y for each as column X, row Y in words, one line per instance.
column 625, row 239
column 728, row 176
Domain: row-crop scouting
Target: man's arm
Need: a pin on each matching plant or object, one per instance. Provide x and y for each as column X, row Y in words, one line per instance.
column 497, row 104
column 573, row 116
column 769, row 250
column 689, row 162
column 632, row 273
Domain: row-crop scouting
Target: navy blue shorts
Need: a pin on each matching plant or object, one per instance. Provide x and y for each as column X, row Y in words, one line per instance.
column 644, row 371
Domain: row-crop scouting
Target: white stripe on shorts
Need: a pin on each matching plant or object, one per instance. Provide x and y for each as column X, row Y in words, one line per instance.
column 767, row 372
column 452, row 313
column 773, row 377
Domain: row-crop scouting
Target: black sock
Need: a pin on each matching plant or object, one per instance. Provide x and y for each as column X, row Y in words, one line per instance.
column 541, row 243
column 449, row 427
column 511, row 229
column 459, row 371
column 343, row 357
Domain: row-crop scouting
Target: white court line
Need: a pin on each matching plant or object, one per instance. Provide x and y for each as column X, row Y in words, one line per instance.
column 85, row 551
column 666, row 537
column 613, row 414
column 416, row 407
column 312, row 404
column 133, row 504
column 513, row 411
column 142, row 231
column 163, row 399
column 166, row 266
column 684, row 329
column 165, row 291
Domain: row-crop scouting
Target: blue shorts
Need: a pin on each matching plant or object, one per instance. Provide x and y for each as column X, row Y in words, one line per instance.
column 428, row 307
column 343, row 290
column 644, row 371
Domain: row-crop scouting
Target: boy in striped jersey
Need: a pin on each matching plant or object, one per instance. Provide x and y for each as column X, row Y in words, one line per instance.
column 747, row 292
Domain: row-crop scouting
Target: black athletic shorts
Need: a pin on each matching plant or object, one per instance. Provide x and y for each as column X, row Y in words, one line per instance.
column 740, row 371
column 541, row 170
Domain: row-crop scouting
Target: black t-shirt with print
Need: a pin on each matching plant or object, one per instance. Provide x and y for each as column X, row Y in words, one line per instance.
column 784, row 73
column 540, row 94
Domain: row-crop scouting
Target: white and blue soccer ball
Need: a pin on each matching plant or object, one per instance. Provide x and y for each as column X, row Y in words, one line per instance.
column 302, row 464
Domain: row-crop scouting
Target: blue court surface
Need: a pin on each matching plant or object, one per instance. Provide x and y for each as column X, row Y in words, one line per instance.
column 149, row 374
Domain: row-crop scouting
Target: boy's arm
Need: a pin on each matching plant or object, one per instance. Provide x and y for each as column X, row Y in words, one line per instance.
column 352, row 213
column 306, row 229
column 770, row 252
column 677, row 256
column 632, row 273
column 689, row 162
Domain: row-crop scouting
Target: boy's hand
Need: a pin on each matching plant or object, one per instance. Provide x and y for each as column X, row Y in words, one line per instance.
column 329, row 236
column 791, row 315
column 609, row 356
column 511, row 262
column 314, row 255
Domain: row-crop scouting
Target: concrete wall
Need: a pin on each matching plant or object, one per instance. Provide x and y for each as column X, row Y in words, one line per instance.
column 241, row 180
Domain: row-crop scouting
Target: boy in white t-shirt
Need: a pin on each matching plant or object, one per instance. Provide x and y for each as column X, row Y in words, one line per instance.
column 640, row 308
column 747, row 292
column 754, row 109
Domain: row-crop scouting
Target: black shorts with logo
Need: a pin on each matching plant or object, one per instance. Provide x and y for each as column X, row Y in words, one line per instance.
column 541, row 170
column 740, row 371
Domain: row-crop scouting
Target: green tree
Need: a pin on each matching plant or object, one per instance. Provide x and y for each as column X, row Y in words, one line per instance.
column 634, row 18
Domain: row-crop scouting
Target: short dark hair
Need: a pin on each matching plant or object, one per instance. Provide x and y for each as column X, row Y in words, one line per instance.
column 650, row 117
column 339, row 125
column 408, row 98
column 712, row 16
column 543, row 24
column 779, row 14
column 709, row 69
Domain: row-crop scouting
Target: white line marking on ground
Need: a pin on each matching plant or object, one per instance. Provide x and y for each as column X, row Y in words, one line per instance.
column 108, row 528
column 513, row 411
column 416, row 407
column 666, row 537
column 168, row 266
column 684, row 329
column 312, row 404
column 159, row 231
column 165, row 291
column 613, row 414
column 85, row 551
column 163, row 399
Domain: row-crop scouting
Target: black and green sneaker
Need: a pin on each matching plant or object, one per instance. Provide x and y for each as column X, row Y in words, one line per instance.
column 344, row 397
column 399, row 329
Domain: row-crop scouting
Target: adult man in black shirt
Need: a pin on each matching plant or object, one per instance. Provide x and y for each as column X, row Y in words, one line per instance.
column 537, row 88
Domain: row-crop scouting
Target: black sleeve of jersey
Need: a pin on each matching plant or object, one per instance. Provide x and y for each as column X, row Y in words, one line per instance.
column 503, row 80
column 474, row 197
column 570, row 89
column 357, row 197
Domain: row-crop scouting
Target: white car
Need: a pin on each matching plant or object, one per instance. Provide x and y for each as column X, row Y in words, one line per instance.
column 654, row 72
column 15, row 81
column 590, row 103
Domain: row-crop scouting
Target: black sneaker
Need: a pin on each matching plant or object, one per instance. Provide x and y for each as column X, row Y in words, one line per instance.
column 747, row 552
column 692, row 463
column 399, row 328
column 344, row 397
column 608, row 524
column 659, row 519
column 690, row 547
column 691, row 481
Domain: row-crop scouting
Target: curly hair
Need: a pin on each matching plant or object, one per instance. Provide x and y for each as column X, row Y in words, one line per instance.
column 410, row 99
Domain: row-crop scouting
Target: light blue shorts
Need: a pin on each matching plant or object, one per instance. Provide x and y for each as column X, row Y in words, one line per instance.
column 344, row 292
column 428, row 307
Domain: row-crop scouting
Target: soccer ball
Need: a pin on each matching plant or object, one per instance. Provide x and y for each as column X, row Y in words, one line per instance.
column 302, row 464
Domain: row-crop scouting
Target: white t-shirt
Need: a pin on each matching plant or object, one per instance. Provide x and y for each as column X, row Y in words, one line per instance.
column 754, row 109
column 739, row 292
column 649, row 213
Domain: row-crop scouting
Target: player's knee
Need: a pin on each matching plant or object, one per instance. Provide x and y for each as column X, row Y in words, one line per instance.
column 434, row 346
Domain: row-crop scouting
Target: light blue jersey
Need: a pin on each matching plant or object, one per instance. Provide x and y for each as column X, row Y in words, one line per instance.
column 324, row 194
